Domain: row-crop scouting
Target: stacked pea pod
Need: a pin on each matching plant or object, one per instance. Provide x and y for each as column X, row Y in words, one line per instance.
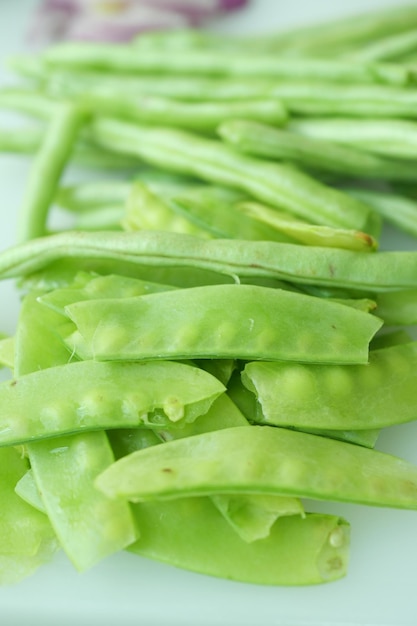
column 215, row 340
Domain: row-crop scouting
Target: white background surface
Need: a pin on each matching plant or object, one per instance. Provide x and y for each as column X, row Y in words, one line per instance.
column 380, row 588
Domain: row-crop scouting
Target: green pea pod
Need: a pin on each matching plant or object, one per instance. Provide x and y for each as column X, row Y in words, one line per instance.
column 89, row 286
column 277, row 184
column 247, row 402
column 378, row 395
column 221, row 321
column 95, row 396
column 26, row 537
column 162, row 253
column 264, row 460
column 309, row 234
column 65, row 461
column 193, row 535
column 145, row 209
column 7, row 352
column 216, row 209
column 250, row 515
column 398, row 308
column 27, row 489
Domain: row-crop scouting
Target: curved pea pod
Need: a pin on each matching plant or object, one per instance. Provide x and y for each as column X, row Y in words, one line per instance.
column 193, row 535
column 221, row 321
column 250, row 515
column 26, row 536
column 263, row 460
column 91, row 395
column 380, row 394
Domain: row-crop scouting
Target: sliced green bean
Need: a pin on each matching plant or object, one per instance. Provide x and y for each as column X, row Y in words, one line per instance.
column 279, row 185
column 389, row 138
column 315, row 153
column 46, row 170
column 199, row 116
column 378, row 395
column 216, row 63
column 27, row 489
column 396, row 209
column 264, row 460
column 258, row 322
column 389, row 48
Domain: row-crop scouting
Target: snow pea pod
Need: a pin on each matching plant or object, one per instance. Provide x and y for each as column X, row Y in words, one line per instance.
column 277, row 184
column 27, row 540
column 378, row 395
column 298, row 551
column 95, row 396
column 221, row 321
column 264, row 460
column 134, row 252
column 247, row 402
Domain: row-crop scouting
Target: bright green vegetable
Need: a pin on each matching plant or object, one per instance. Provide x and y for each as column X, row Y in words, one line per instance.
column 375, row 396
column 264, row 460
column 276, row 184
column 259, row 322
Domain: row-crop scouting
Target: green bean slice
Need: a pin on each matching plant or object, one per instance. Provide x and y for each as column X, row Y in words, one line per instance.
column 264, row 460
column 378, row 395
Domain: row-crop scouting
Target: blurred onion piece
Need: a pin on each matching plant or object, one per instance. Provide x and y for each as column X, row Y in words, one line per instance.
column 120, row 20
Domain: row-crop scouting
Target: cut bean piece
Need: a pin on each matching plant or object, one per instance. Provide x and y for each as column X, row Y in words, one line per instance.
column 263, row 460
column 90, row 396
column 375, row 396
column 221, row 321
column 27, row 489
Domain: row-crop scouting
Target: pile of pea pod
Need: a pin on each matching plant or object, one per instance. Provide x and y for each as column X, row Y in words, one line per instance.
column 215, row 337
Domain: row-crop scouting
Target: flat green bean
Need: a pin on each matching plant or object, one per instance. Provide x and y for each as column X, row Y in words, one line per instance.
column 250, row 260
